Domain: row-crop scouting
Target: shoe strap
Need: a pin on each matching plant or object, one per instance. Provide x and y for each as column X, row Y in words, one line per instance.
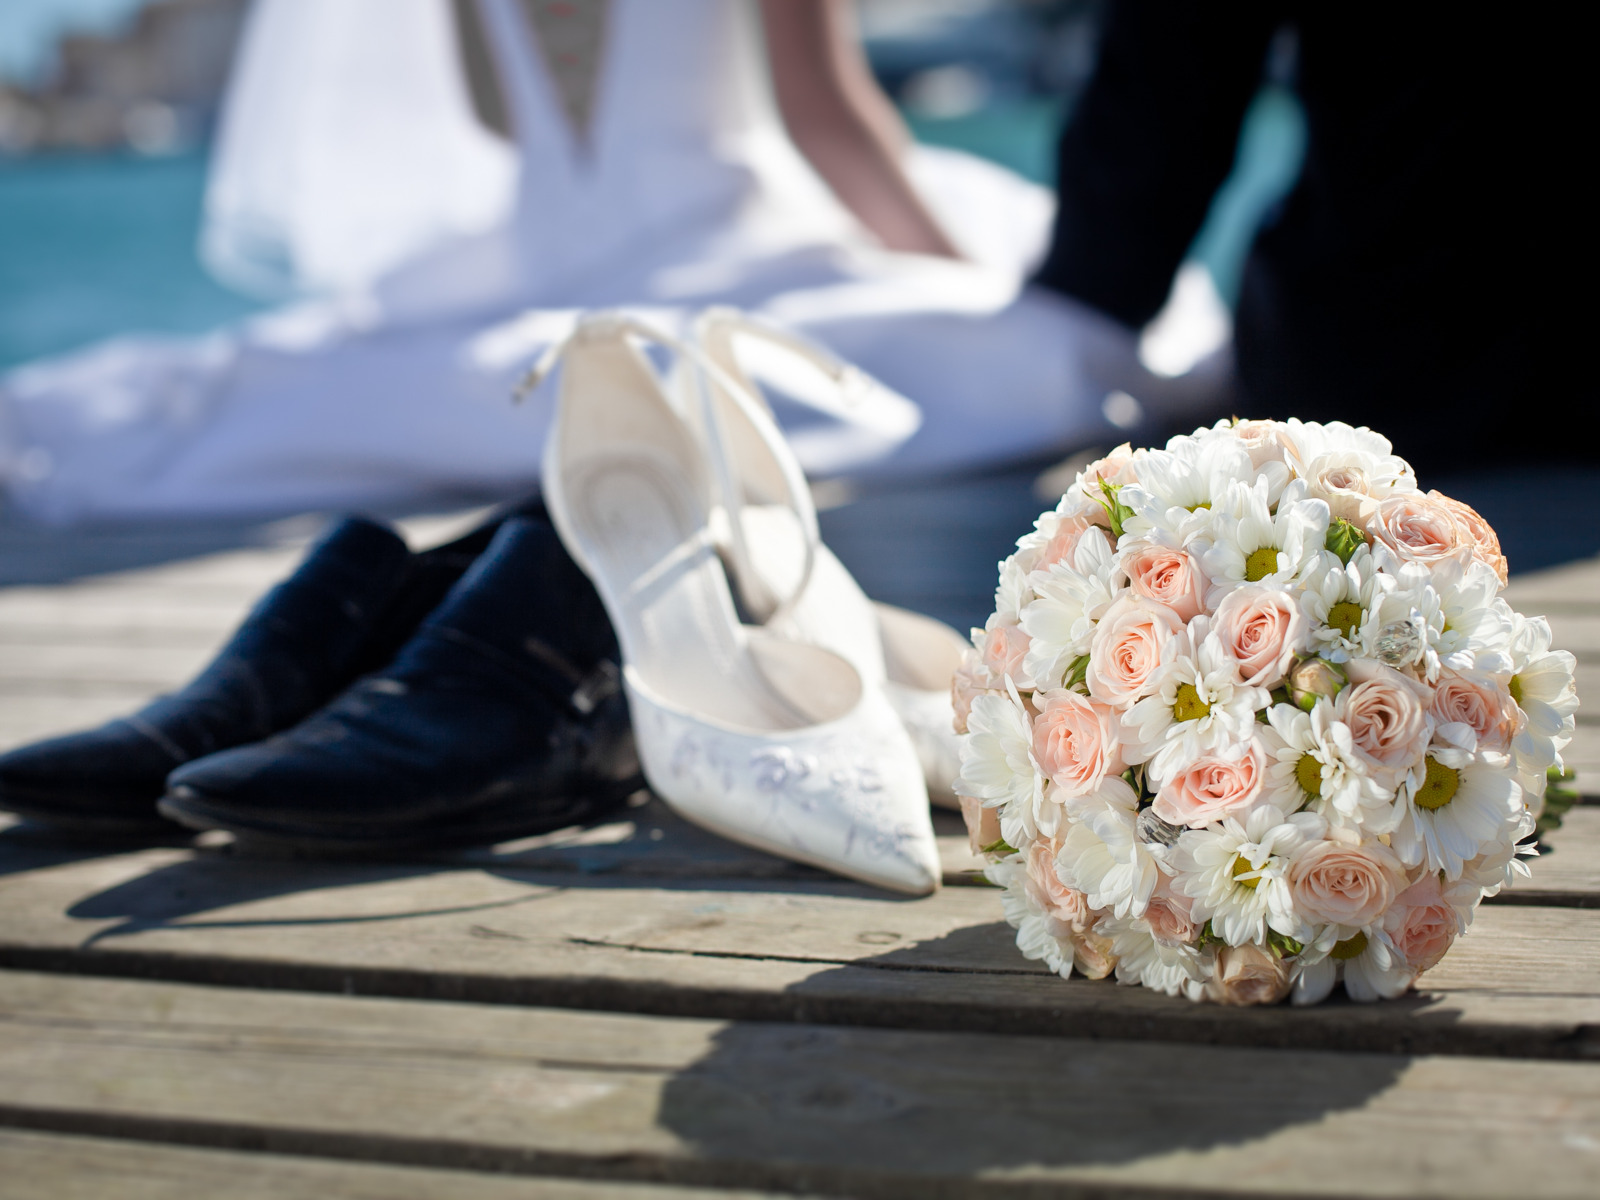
column 726, row 409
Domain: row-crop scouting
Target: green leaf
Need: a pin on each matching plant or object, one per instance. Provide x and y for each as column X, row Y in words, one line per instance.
column 1076, row 673
column 1115, row 508
column 1558, row 799
column 1344, row 539
column 1208, row 936
column 1282, row 945
column 999, row 847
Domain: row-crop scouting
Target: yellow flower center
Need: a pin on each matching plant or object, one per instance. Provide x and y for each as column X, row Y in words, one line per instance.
column 1187, row 705
column 1308, row 774
column 1346, row 617
column 1242, row 866
column 1261, row 563
column 1350, row 947
column 1515, row 688
column 1440, row 786
column 1203, row 504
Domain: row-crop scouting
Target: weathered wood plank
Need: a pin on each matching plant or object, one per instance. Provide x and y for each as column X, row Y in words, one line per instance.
column 863, row 1112
column 44, row 1166
column 1525, row 982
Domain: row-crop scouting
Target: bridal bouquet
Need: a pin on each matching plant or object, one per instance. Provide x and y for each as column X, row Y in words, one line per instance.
column 1250, row 719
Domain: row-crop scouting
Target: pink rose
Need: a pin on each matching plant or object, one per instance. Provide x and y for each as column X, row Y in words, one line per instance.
column 1131, row 642
column 1067, row 906
column 1115, row 468
column 1418, row 529
column 1341, row 481
column 1422, row 923
column 1480, row 702
column 1249, row 975
column 1170, row 915
column 1170, row 577
column 1388, row 718
column 972, row 679
column 1063, row 544
column 1264, row 441
column 1092, row 956
column 1479, row 534
column 1336, row 884
column 1214, row 786
column 1075, row 741
column 1004, row 648
column 983, row 824
column 1261, row 628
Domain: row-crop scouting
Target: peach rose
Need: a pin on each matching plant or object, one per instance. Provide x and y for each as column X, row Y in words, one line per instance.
column 1067, row 906
column 1336, row 884
column 972, row 679
column 1422, row 923
column 1264, row 441
column 1131, row 642
column 1214, row 786
column 983, row 824
column 1170, row 577
column 1004, row 648
column 1388, row 718
column 1480, row 702
column 1479, row 533
column 1115, row 468
column 1418, row 529
column 1075, row 741
column 1170, row 915
column 1063, row 544
column 1249, row 975
column 1261, row 628
column 1092, row 956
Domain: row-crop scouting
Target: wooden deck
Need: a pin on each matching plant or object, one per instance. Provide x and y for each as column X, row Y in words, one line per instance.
column 641, row 1010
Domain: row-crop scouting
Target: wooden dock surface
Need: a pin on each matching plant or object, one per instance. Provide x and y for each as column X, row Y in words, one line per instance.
column 641, row 1010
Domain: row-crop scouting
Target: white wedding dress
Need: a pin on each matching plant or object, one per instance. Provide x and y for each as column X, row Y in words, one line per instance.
column 351, row 168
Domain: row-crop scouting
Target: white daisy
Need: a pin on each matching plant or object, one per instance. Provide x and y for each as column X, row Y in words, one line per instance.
column 1474, row 625
column 1365, row 959
column 1501, row 863
column 1198, row 704
column 1179, row 486
column 1067, row 600
column 1250, row 543
column 1459, row 805
column 1237, row 873
column 1103, row 856
column 1311, row 763
column 1141, row 959
column 997, row 764
column 1013, row 593
column 1343, row 602
column 1544, row 686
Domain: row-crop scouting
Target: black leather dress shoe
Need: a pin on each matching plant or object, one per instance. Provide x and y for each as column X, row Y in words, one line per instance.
column 354, row 600
column 503, row 716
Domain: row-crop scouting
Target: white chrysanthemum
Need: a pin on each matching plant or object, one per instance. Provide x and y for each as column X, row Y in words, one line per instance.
column 1544, row 686
column 1102, row 855
column 1141, row 959
column 1460, row 804
column 1012, row 594
column 1237, row 873
column 1364, row 958
column 1384, row 471
column 1067, row 600
column 1501, row 864
column 1344, row 604
column 1250, row 543
column 1198, row 705
column 1036, row 936
column 997, row 765
column 1179, row 486
column 1474, row 626
column 1312, row 764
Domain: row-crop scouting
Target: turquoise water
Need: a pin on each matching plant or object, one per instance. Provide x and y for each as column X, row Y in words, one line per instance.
column 95, row 246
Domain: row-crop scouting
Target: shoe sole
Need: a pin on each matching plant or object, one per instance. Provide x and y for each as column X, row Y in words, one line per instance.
column 44, row 809
column 504, row 821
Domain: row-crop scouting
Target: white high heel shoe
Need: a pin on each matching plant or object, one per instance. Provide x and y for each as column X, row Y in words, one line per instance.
column 911, row 656
column 767, row 740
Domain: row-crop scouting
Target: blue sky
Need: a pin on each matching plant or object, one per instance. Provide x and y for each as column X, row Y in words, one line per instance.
column 29, row 28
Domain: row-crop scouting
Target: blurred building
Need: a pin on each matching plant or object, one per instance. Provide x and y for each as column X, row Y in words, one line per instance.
column 153, row 88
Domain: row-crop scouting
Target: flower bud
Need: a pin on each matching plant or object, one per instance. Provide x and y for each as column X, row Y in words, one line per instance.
column 1313, row 678
column 1344, row 539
